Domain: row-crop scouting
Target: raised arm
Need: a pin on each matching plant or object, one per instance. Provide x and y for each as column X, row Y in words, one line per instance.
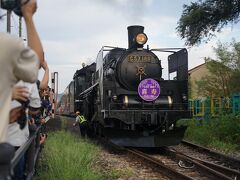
column 33, row 38
column 44, row 82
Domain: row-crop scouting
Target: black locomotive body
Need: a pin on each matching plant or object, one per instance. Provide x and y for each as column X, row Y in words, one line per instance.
column 108, row 94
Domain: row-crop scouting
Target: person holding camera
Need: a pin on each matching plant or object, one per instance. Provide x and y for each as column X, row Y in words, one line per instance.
column 19, row 128
column 18, row 62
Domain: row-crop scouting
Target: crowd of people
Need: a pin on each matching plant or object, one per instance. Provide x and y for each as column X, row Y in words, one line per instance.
column 24, row 100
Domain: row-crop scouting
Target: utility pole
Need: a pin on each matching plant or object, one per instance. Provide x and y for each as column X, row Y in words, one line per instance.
column 20, row 27
column 54, row 91
column 9, row 21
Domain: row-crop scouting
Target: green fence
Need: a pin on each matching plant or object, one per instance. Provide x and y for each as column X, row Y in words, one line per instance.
column 203, row 108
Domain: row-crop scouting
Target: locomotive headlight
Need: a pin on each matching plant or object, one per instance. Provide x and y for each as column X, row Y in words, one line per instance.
column 125, row 100
column 141, row 38
column 170, row 101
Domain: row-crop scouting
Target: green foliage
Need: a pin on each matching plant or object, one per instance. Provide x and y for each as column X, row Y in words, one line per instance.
column 196, row 132
column 216, row 83
column 224, row 72
column 223, row 146
column 221, row 133
column 68, row 157
column 201, row 19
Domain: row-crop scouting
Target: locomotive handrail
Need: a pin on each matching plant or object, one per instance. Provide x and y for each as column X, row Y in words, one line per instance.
column 154, row 49
column 170, row 50
column 88, row 89
column 175, row 107
column 177, row 48
column 112, row 47
column 144, row 110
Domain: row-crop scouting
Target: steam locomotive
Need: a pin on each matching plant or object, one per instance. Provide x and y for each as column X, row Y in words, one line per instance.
column 125, row 98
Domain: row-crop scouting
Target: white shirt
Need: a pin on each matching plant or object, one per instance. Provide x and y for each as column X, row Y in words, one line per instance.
column 17, row 62
column 77, row 120
column 15, row 135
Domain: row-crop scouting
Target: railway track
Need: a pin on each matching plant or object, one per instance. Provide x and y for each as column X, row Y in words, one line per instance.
column 165, row 165
column 178, row 166
column 216, row 161
column 219, row 158
column 190, row 161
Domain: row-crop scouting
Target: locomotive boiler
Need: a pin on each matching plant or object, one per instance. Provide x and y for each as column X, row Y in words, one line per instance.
column 125, row 98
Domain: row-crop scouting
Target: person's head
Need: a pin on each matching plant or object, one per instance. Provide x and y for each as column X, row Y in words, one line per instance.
column 77, row 113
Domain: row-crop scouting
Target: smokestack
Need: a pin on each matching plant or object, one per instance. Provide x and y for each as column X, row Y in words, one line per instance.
column 133, row 31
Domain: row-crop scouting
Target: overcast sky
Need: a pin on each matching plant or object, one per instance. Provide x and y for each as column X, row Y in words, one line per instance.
column 73, row 31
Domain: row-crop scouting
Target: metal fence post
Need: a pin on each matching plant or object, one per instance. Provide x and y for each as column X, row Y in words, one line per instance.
column 30, row 156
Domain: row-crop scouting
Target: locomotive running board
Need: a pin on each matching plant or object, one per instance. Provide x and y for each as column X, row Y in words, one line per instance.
column 133, row 139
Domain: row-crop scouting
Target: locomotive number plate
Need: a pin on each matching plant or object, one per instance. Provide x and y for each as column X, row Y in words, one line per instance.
column 140, row 59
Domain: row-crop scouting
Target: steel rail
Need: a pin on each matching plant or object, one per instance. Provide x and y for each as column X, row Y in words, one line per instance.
column 157, row 162
column 229, row 159
column 181, row 156
column 220, row 168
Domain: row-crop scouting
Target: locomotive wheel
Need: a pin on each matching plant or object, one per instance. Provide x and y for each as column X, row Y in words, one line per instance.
column 98, row 130
column 95, row 129
column 90, row 131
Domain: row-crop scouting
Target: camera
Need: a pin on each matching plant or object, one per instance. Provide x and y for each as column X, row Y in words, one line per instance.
column 13, row 5
column 22, row 120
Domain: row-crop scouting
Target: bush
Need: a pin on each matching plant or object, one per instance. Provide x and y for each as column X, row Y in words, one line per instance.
column 222, row 133
column 222, row 146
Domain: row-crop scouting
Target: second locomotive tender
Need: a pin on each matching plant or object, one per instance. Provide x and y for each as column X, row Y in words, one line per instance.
column 126, row 99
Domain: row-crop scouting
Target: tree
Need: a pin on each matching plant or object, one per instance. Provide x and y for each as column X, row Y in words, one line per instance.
column 224, row 73
column 201, row 19
column 217, row 82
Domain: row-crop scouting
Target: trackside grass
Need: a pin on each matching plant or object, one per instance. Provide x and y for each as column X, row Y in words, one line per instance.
column 221, row 133
column 67, row 157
